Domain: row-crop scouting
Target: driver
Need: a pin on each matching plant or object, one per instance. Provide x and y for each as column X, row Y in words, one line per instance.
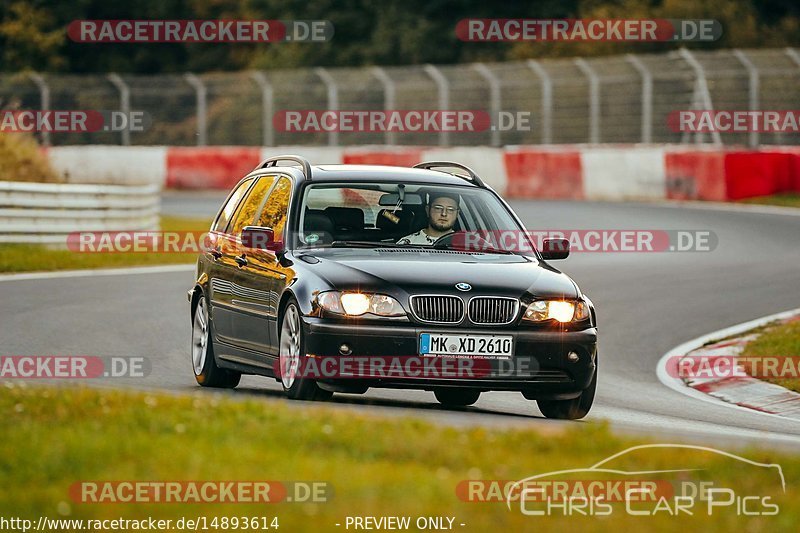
column 442, row 213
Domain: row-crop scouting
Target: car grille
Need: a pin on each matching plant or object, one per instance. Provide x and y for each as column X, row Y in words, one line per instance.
column 439, row 309
column 493, row 310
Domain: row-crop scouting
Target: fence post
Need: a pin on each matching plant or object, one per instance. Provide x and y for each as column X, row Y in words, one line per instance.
column 547, row 100
column 124, row 104
column 753, row 89
column 647, row 97
column 702, row 85
column 594, row 99
column 494, row 100
column 793, row 55
column 44, row 100
column 389, row 99
column 444, row 97
column 333, row 101
column 267, row 110
column 202, row 107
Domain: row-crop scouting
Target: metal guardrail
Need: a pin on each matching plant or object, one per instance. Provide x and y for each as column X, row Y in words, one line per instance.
column 613, row 99
column 47, row 212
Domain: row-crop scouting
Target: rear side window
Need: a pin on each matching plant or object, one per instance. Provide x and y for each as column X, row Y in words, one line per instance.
column 276, row 208
column 246, row 213
column 227, row 212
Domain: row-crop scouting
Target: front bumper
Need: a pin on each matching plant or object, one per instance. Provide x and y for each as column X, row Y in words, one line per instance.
column 539, row 367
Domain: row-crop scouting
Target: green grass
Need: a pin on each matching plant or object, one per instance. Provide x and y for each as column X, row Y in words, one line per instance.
column 36, row 257
column 789, row 199
column 777, row 341
column 54, row 437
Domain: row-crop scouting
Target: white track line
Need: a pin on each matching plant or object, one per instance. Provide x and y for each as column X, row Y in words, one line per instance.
column 97, row 272
column 731, row 207
column 678, row 385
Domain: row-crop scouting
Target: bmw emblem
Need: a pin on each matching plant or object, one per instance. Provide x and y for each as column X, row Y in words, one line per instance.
column 464, row 287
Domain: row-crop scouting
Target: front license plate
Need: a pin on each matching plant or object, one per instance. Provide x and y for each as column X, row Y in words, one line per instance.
column 491, row 346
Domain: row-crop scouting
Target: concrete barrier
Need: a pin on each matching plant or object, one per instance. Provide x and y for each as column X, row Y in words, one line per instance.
column 544, row 173
column 548, row 172
column 209, row 167
column 399, row 157
column 704, row 174
column 695, row 175
column 318, row 155
column 619, row 173
column 114, row 165
column 488, row 163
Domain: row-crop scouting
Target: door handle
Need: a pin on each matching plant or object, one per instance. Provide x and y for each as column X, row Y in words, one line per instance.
column 241, row 260
column 215, row 253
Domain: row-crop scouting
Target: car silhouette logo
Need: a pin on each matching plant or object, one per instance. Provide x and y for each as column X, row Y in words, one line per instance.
column 463, row 287
column 603, row 467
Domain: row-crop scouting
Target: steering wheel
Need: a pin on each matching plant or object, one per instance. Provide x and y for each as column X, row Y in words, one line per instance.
column 443, row 242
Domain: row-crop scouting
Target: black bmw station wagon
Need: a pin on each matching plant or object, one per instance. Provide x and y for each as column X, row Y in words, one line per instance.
column 338, row 278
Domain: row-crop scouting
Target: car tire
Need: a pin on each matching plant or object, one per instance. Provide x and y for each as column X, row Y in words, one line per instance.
column 291, row 346
column 206, row 371
column 457, row 397
column 574, row 409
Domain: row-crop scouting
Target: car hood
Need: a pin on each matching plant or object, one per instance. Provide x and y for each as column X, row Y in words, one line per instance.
column 437, row 272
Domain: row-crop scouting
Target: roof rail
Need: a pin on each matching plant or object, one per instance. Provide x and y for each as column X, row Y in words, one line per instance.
column 473, row 177
column 302, row 161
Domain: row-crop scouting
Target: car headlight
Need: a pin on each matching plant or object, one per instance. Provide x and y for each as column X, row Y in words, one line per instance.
column 355, row 303
column 558, row 310
column 359, row 303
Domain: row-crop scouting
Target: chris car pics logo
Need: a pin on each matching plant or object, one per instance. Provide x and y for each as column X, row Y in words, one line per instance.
column 687, row 488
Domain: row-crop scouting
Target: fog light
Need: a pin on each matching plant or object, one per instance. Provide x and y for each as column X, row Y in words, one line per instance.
column 345, row 349
column 572, row 357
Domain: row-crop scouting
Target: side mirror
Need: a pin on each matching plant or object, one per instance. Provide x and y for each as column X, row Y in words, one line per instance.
column 555, row 249
column 260, row 239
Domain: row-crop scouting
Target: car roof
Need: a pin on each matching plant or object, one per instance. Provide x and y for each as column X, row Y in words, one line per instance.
column 373, row 173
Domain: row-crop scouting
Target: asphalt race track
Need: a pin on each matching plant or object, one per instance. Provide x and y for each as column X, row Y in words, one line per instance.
column 647, row 303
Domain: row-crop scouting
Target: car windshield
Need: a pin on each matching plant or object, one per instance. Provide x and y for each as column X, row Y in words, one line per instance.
column 406, row 215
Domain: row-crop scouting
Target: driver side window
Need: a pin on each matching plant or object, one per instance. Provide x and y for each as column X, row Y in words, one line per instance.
column 246, row 213
column 226, row 214
column 276, row 208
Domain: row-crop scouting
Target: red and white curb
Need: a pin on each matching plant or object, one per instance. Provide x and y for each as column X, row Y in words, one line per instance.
column 736, row 391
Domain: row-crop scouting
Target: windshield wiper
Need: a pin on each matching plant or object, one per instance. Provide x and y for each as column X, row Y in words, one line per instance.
column 494, row 251
column 478, row 250
column 421, row 247
column 366, row 244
